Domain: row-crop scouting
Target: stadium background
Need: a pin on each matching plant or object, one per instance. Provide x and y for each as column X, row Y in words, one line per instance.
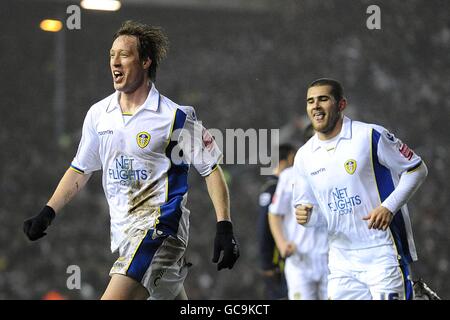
column 242, row 64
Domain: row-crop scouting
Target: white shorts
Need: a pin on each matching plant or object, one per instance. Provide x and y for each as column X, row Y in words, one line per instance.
column 155, row 260
column 379, row 278
column 307, row 276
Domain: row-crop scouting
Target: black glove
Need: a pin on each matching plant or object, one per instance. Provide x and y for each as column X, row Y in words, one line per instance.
column 34, row 227
column 225, row 241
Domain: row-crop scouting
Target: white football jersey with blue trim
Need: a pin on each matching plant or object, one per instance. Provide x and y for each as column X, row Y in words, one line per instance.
column 144, row 164
column 350, row 177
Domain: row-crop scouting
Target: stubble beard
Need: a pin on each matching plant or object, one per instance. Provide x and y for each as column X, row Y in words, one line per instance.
column 334, row 117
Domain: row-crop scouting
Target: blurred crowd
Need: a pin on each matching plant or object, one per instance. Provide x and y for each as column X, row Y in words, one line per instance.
column 240, row 69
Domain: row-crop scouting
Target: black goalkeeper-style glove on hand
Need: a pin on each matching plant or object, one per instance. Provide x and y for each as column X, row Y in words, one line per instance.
column 34, row 227
column 225, row 241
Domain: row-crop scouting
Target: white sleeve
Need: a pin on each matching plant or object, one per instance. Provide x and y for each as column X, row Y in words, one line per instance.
column 87, row 158
column 405, row 163
column 408, row 184
column 393, row 153
column 199, row 147
column 190, row 112
column 303, row 193
column 282, row 199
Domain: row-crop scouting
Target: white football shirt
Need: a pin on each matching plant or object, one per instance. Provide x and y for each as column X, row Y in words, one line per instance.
column 144, row 180
column 350, row 177
column 312, row 241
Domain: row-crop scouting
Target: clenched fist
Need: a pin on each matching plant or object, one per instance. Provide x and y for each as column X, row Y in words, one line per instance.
column 302, row 213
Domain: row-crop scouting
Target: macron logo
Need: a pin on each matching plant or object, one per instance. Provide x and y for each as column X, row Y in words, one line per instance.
column 101, row 133
column 317, row 171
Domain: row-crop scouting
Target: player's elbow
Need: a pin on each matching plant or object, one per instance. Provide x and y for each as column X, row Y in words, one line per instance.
column 425, row 170
column 422, row 172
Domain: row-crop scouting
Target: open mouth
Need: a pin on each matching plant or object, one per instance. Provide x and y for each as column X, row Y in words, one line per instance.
column 118, row 76
column 319, row 115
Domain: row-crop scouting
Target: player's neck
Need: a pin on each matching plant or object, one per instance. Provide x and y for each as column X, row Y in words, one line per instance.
column 333, row 133
column 130, row 102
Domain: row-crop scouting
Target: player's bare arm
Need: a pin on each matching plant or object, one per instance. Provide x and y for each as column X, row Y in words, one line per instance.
column 224, row 240
column 286, row 247
column 218, row 192
column 69, row 185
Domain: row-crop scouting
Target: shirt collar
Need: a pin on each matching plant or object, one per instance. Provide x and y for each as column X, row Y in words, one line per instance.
column 151, row 103
column 346, row 133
